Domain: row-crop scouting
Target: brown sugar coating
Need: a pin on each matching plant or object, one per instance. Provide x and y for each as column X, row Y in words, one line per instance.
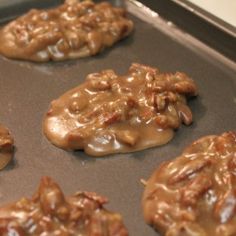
column 195, row 194
column 50, row 213
column 109, row 113
column 72, row 30
column 6, row 146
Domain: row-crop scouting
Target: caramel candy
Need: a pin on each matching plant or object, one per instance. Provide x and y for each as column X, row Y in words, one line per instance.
column 6, row 146
column 72, row 30
column 49, row 213
column 195, row 194
column 109, row 113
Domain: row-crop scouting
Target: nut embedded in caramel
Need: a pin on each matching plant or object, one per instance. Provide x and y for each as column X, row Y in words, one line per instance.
column 195, row 194
column 72, row 30
column 6, row 146
column 109, row 113
column 49, row 212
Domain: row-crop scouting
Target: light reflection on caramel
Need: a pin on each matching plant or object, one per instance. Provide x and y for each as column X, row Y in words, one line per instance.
column 109, row 113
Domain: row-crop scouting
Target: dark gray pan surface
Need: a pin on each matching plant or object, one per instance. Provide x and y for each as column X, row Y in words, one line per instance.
column 12, row 8
column 204, row 26
column 26, row 90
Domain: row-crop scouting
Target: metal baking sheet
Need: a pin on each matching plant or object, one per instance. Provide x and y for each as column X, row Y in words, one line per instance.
column 26, row 90
column 199, row 23
column 208, row 16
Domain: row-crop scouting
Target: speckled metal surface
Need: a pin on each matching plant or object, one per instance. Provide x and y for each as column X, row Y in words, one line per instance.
column 26, row 90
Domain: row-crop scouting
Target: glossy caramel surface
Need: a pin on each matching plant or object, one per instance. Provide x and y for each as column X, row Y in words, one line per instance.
column 110, row 113
column 195, row 194
column 50, row 213
column 72, row 30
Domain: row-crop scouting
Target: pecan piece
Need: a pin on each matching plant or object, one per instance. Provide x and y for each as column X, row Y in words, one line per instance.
column 106, row 101
column 6, row 146
column 188, row 170
column 185, row 113
column 129, row 137
column 225, row 207
column 49, row 212
column 52, row 199
column 195, row 194
column 194, row 189
column 72, row 30
column 110, row 118
column 77, row 138
column 186, row 229
column 99, row 84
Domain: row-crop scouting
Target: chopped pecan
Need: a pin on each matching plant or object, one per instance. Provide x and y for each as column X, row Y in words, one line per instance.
column 160, row 102
column 129, row 137
column 51, row 198
column 225, row 206
column 110, row 118
column 162, row 121
column 185, row 113
column 160, row 86
column 6, row 146
column 77, row 137
column 106, row 101
column 192, row 191
column 146, row 114
column 49, row 212
column 232, row 164
column 184, row 84
column 99, row 83
column 72, row 30
column 186, row 229
column 78, row 104
column 195, row 194
column 143, row 69
column 189, row 169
